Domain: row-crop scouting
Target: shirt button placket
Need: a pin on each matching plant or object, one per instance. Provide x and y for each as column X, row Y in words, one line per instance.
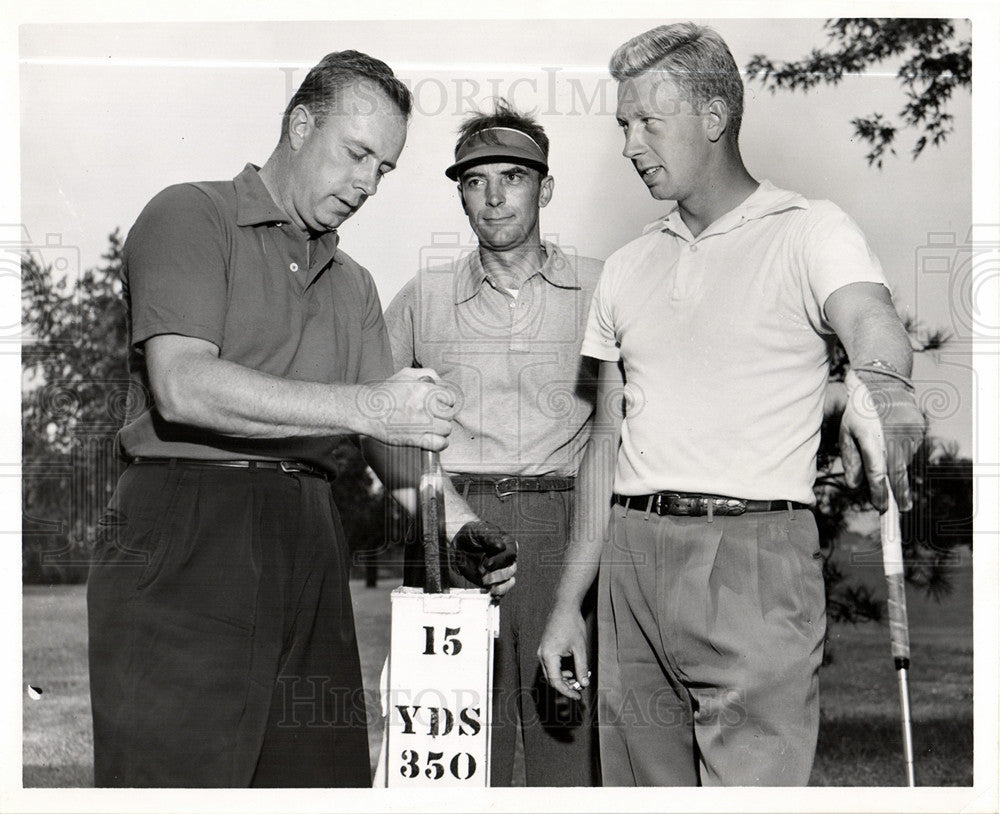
column 688, row 273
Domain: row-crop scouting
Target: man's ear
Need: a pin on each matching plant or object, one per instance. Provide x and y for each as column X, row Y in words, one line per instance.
column 300, row 124
column 461, row 197
column 545, row 189
column 716, row 118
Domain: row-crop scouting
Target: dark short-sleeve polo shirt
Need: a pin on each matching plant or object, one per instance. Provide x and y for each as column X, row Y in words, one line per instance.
column 220, row 261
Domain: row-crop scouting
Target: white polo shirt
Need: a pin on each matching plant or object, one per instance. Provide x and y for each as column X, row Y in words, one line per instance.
column 724, row 343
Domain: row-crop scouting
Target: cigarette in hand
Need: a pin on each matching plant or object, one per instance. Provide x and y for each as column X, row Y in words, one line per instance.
column 573, row 682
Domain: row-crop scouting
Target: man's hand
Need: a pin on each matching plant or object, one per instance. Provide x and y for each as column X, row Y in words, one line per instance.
column 881, row 429
column 412, row 409
column 565, row 637
column 485, row 555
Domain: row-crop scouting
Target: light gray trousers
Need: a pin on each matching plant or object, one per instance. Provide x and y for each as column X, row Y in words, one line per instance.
column 711, row 638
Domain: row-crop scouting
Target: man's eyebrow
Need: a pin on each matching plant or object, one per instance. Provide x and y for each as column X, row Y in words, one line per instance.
column 636, row 113
column 361, row 146
column 515, row 169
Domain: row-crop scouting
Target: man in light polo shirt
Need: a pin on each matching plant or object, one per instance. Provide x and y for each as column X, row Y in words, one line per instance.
column 503, row 326
column 715, row 323
column 222, row 641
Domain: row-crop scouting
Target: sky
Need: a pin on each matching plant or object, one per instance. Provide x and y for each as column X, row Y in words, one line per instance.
column 111, row 114
column 115, row 102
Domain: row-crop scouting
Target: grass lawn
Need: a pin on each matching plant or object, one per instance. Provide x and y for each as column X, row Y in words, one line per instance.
column 57, row 728
column 859, row 740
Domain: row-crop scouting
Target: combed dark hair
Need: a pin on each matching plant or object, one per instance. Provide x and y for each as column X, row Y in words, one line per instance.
column 320, row 89
column 504, row 115
column 694, row 57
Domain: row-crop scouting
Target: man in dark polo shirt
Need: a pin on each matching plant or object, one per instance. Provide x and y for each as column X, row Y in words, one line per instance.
column 222, row 641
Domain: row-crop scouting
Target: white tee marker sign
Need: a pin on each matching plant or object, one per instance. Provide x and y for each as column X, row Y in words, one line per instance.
column 439, row 688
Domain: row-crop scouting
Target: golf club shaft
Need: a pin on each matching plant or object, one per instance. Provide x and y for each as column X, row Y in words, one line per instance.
column 904, row 704
column 431, row 494
column 899, row 632
column 431, row 509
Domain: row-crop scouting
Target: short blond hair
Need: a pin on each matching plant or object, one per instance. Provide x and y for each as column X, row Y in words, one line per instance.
column 692, row 56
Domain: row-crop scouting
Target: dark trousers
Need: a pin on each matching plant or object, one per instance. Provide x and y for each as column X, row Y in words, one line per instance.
column 222, row 643
column 559, row 736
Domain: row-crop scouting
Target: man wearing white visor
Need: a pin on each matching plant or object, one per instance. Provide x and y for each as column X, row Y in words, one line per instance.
column 503, row 325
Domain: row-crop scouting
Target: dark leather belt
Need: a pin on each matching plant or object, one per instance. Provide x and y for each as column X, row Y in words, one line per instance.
column 685, row 504
column 506, row 485
column 288, row 467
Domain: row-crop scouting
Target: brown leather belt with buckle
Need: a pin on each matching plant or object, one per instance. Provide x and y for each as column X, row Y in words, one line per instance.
column 506, row 485
column 685, row 504
column 288, row 467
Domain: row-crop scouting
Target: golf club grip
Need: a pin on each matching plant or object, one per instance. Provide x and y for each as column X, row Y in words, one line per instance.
column 899, row 630
column 891, row 535
column 429, row 513
column 895, row 579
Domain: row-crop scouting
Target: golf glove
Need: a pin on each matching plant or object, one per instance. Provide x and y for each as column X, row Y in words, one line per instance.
column 479, row 548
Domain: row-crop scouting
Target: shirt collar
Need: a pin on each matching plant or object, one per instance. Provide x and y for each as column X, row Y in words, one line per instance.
column 767, row 199
column 255, row 206
column 558, row 270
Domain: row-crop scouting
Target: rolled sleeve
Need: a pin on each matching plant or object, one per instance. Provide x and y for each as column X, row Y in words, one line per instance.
column 175, row 261
column 838, row 255
column 600, row 340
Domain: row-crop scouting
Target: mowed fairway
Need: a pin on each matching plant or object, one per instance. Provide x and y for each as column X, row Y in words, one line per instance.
column 58, row 738
column 859, row 742
column 860, row 737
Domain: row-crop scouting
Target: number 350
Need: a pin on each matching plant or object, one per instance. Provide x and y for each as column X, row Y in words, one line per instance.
column 462, row 765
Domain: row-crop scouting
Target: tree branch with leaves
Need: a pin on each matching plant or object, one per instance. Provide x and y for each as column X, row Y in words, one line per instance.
column 939, row 523
column 935, row 63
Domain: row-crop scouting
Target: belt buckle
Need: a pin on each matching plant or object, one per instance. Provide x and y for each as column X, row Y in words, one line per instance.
column 725, row 506
column 673, row 503
column 502, row 491
column 684, row 505
column 296, row 468
column 735, row 506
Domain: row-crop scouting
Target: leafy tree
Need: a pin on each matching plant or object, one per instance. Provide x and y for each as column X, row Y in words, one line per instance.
column 935, row 63
column 75, row 391
column 939, row 523
column 941, row 519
